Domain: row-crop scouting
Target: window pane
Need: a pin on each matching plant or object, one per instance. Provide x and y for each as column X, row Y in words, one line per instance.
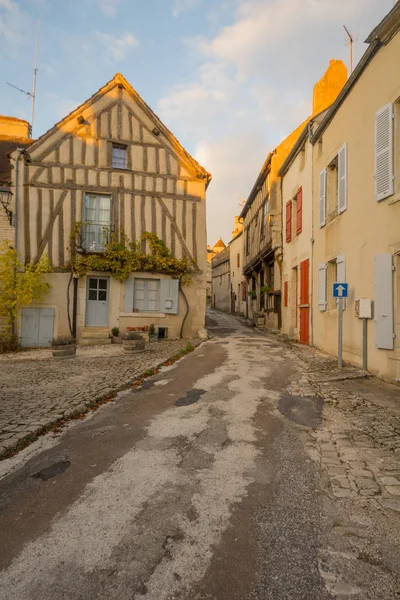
column 92, row 294
column 152, row 305
column 104, row 202
column 119, row 157
column 102, row 295
column 103, row 284
column 93, row 284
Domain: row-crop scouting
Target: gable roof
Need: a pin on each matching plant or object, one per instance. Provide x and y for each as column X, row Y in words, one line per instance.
column 119, row 80
column 381, row 35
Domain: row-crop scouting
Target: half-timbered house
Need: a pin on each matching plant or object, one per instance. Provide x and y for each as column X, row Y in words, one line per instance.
column 114, row 166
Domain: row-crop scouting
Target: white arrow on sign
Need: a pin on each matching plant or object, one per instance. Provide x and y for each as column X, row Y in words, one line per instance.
column 340, row 290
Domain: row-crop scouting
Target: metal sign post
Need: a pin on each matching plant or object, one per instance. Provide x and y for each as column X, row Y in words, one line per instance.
column 340, row 291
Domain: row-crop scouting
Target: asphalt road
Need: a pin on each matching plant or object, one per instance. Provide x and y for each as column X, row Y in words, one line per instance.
column 197, row 486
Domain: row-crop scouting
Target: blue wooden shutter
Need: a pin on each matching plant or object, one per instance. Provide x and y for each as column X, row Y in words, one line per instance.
column 128, row 303
column 46, row 326
column 169, row 292
column 384, row 301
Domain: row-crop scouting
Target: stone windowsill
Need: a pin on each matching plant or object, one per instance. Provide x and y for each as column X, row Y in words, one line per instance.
column 155, row 315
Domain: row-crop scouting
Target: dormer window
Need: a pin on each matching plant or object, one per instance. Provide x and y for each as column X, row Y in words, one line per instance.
column 118, row 158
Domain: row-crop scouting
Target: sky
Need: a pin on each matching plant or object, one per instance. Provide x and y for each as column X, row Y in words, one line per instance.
column 230, row 78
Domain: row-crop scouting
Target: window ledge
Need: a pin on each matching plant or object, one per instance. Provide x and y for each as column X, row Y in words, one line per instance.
column 136, row 315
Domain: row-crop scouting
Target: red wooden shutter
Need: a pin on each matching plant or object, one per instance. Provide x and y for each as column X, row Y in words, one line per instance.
column 288, row 221
column 286, row 293
column 299, row 222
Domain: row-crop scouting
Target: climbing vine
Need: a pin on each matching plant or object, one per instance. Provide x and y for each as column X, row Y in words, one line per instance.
column 120, row 257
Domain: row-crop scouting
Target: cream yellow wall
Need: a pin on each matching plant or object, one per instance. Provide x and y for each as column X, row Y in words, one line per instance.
column 299, row 175
column 367, row 227
column 236, row 249
column 15, row 128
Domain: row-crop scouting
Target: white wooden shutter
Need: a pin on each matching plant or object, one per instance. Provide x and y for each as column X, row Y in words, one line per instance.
column 169, row 292
column 322, row 287
column 322, row 198
column 128, row 304
column 341, row 273
column 342, row 179
column 384, row 152
column 384, row 301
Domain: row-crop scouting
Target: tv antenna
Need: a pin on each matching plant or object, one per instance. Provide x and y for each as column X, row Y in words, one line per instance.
column 31, row 94
column 350, row 43
column 242, row 200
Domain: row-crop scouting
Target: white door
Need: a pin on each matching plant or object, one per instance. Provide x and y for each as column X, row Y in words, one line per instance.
column 37, row 327
column 97, row 301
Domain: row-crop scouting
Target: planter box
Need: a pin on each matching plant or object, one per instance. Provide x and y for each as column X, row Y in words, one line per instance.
column 153, row 338
column 117, row 339
column 133, row 346
column 67, row 351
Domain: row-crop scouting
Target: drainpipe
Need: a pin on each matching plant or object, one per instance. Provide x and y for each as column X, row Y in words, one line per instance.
column 312, row 240
column 75, row 306
column 19, row 153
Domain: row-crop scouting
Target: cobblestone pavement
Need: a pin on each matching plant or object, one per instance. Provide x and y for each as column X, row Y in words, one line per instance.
column 356, row 447
column 359, row 443
column 36, row 390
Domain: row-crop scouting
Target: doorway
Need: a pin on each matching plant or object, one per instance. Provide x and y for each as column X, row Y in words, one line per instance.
column 304, row 302
column 97, row 301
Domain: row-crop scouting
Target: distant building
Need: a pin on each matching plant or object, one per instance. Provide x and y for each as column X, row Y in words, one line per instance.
column 221, row 281
column 211, row 252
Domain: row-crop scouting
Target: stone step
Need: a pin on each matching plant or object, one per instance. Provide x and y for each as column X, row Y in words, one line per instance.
column 94, row 341
column 95, row 333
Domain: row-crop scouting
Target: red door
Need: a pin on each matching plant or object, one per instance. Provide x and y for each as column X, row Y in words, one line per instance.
column 304, row 302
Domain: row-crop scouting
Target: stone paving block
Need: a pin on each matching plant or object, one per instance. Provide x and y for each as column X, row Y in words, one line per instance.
column 341, row 492
column 393, row 489
column 364, row 483
column 361, row 473
column 390, row 481
column 393, row 504
column 337, row 471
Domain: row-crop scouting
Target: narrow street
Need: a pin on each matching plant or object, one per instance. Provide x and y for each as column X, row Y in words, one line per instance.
column 220, row 479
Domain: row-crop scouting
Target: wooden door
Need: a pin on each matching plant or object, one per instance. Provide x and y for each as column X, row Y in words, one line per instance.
column 97, row 302
column 37, row 327
column 304, row 302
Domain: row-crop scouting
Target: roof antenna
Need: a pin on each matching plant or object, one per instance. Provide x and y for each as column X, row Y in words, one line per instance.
column 350, row 43
column 32, row 94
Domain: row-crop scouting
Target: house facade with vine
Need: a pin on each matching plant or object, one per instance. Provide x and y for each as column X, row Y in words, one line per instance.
column 119, row 206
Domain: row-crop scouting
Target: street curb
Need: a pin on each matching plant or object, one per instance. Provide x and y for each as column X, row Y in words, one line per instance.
column 80, row 411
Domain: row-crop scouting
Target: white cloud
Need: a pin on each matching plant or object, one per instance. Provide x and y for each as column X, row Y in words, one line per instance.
column 108, row 7
column 14, row 26
column 116, row 48
column 253, row 85
column 180, row 6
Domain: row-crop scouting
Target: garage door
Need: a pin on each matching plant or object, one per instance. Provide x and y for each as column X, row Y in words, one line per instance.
column 37, row 326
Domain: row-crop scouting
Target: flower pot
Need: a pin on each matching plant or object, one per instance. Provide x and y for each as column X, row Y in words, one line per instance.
column 153, row 338
column 66, row 351
column 133, row 346
column 117, row 339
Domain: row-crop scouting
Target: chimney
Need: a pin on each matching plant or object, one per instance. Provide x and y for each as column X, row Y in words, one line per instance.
column 14, row 128
column 327, row 89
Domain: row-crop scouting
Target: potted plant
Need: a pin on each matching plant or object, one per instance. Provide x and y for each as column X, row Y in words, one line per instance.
column 116, row 338
column 153, row 335
column 252, row 294
column 63, row 346
column 133, row 342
